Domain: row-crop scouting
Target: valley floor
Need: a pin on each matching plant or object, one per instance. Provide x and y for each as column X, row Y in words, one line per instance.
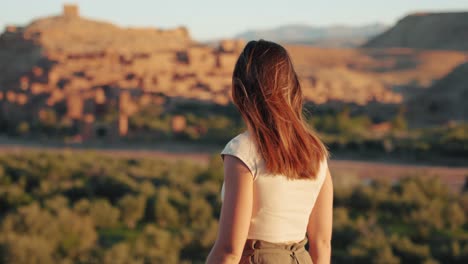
column 392, row 169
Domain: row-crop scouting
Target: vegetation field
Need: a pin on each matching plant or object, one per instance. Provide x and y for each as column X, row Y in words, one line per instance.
column 87, row 207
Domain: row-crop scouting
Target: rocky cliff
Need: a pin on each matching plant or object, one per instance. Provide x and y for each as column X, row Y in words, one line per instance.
column 445, row 31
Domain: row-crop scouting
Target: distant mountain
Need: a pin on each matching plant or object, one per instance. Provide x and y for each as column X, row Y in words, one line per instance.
column 446, row 31
column 330, row 36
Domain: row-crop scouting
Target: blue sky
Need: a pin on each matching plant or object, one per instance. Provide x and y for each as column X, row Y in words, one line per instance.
column 212, row 19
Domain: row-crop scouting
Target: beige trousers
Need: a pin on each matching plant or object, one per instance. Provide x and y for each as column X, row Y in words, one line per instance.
column 263, row 252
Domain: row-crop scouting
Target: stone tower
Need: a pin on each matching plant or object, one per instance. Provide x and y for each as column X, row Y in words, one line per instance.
column 70, row 10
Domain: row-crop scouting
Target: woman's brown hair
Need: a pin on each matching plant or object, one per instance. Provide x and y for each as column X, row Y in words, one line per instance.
column 267, row 92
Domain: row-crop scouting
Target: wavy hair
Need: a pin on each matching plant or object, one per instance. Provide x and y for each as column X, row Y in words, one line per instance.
column 267, row 93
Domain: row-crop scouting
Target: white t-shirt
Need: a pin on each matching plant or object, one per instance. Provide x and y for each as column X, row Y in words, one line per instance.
column 281, row 207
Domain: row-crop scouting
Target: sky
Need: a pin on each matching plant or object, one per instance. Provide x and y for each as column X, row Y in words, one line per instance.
column 216, row 19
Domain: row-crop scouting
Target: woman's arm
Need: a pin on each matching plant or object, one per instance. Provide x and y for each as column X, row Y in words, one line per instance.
column 319, row 230
column 236, row 212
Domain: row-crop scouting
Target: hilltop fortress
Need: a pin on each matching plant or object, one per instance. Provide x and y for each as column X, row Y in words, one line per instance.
column 79, row 68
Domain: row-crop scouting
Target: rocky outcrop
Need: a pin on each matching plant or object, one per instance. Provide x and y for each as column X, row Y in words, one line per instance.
column 445, row 31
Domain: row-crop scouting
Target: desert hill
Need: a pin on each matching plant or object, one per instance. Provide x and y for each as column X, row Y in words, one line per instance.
column 444, row 31
column 363, row 75
column 447, row 97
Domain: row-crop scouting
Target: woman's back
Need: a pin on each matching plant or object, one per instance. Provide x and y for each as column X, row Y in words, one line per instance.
column 277, row 186
column 281, row 207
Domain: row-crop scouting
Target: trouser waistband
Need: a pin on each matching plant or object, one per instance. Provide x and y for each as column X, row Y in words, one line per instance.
column 252, row 245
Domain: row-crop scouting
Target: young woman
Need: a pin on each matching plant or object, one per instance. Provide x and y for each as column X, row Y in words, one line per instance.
column 277, row 186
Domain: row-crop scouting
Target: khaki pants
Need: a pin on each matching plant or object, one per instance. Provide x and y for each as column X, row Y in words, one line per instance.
column 259, row 251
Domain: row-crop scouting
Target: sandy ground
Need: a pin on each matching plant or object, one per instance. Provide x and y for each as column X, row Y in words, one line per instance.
column 453, row 176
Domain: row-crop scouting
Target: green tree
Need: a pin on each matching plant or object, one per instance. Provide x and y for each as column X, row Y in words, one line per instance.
column 399, row 122
column 104, row 214
column 132, row 209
